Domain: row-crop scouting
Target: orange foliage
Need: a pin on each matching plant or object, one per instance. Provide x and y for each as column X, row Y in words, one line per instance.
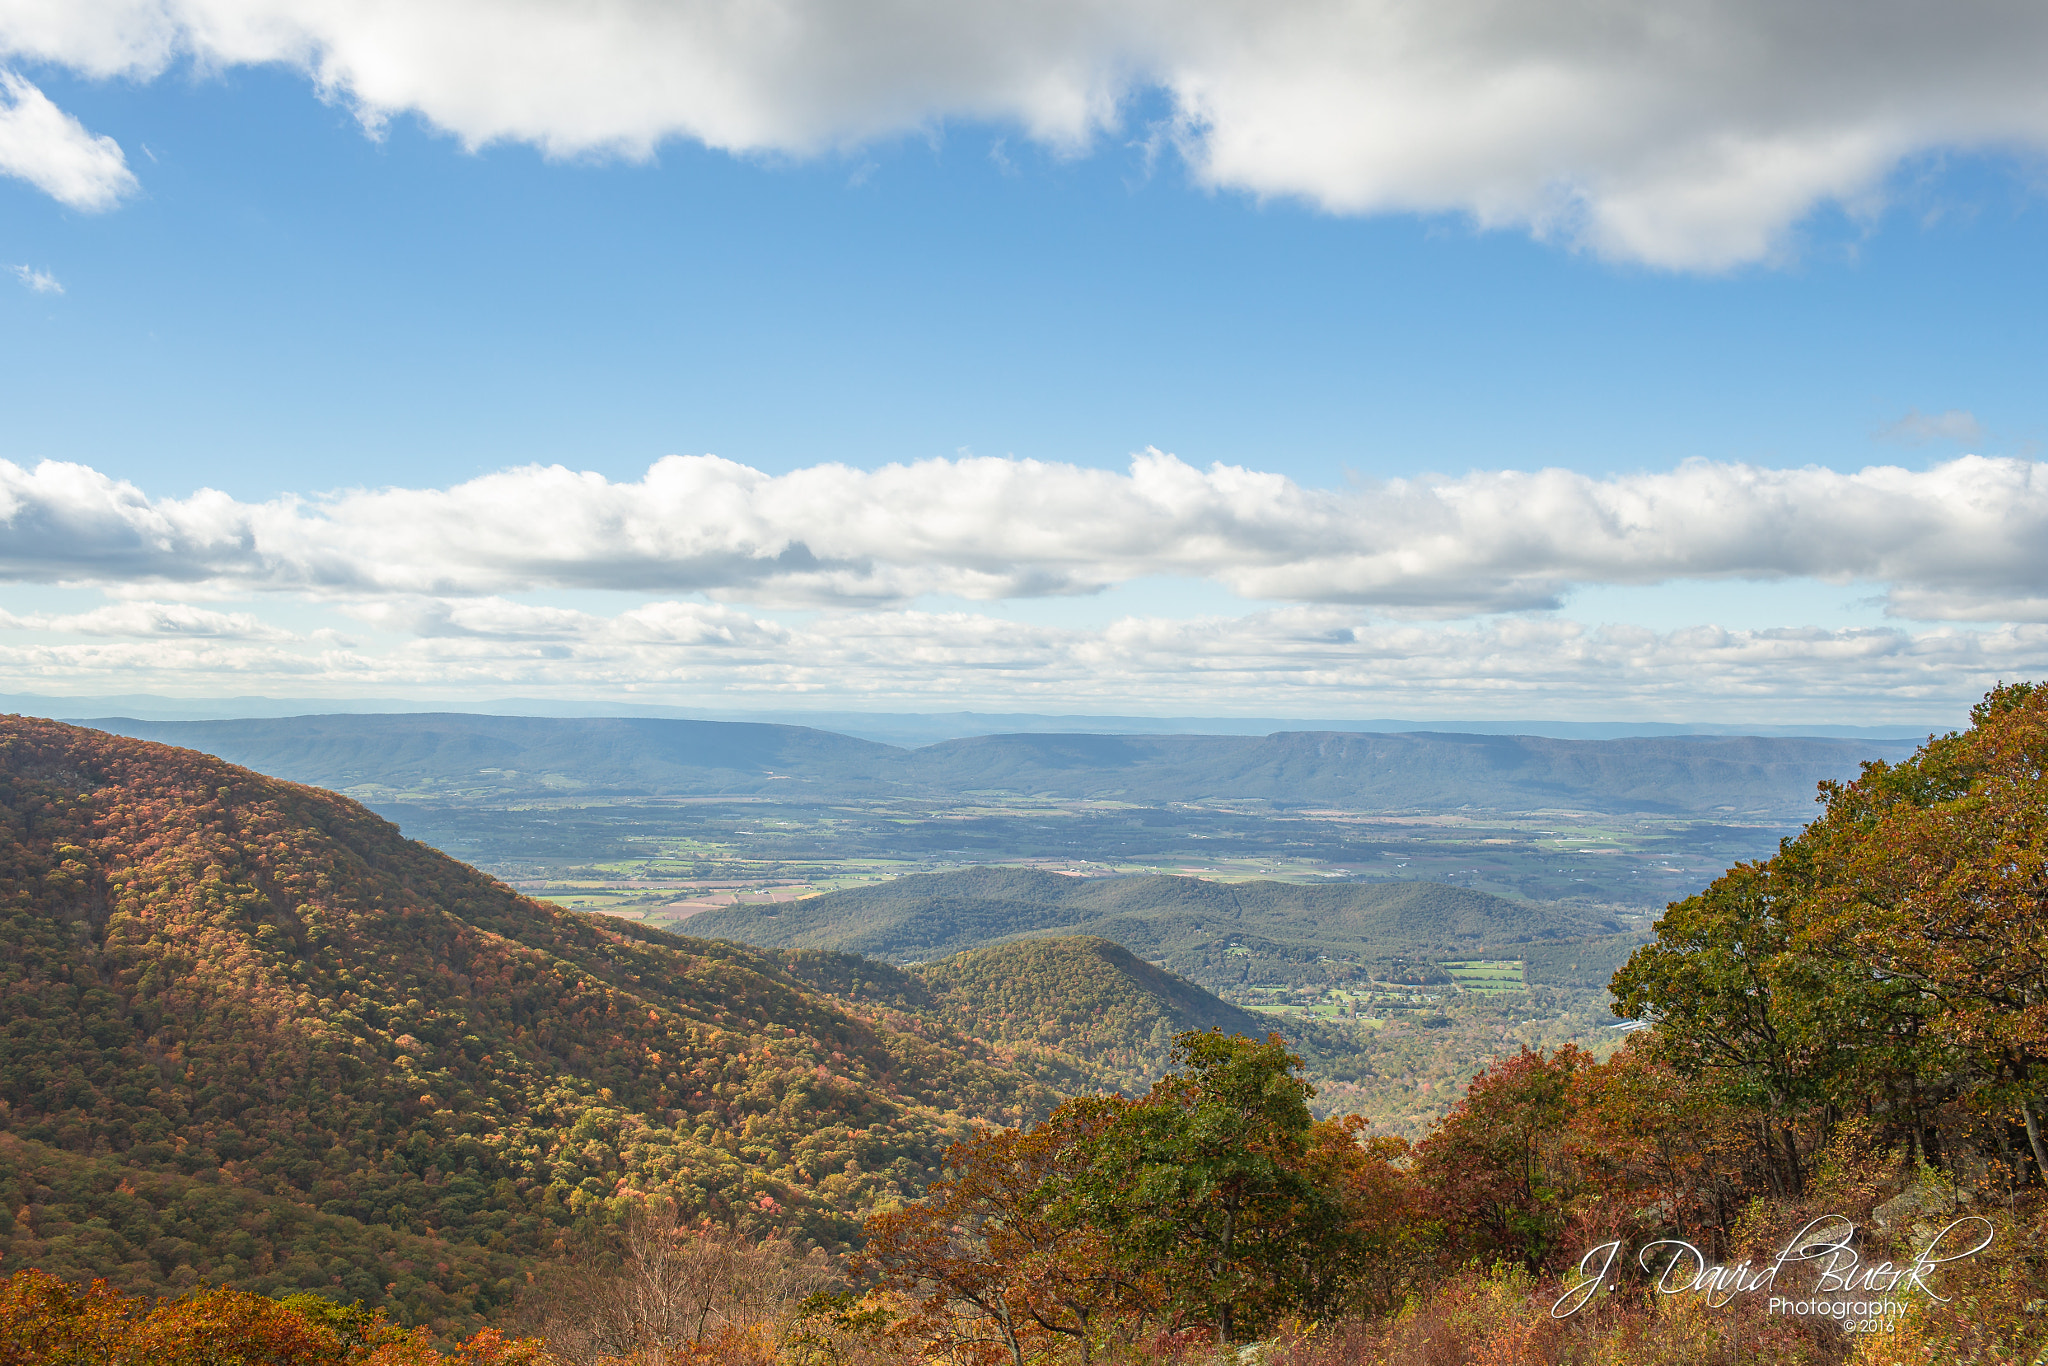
column 45, row 1321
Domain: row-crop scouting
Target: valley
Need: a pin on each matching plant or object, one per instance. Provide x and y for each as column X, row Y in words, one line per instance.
column 725, row 829
column 664, row 860
column 257, row 1033
column 656, row 818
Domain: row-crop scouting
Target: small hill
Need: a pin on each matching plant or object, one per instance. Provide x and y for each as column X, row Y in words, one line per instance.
column 1212, row 933
column 1078, row 1012
column 250, row 1033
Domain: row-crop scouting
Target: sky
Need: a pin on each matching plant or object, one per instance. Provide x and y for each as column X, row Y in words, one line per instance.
column 1586, row 361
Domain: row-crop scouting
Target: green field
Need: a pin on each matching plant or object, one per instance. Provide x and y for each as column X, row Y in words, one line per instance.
column 1488, row 974
column 644, row 856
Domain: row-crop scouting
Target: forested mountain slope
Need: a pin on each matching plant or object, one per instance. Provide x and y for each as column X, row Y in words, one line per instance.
column 454, row 756
column 1209, row 932
column 248, row 1032
column 1077, row 1012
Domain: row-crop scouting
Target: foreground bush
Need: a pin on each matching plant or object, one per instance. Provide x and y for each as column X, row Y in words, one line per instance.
column 45, row 1321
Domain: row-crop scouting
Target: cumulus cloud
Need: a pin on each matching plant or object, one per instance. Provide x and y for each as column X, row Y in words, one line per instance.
column 37, row 281
column 1685, row 133
column 54, row 152
column 1966, row 539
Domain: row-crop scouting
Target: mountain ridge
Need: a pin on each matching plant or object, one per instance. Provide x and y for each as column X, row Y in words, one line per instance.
column 458, row 755
column 1196, row 928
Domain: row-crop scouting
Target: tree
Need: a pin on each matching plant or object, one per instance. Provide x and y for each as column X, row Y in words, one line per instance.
column 985, row 1257
column 46, row 1322
column 1891, row 960
column 1934, row 882
column 1496, row 1165
column 1206, row 1181
column 1734, row 1000
column 1216, row 1199
column 676, row 1286
column 1655, row 1150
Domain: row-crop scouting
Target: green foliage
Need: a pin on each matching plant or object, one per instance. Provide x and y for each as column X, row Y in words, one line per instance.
column 211, row 976
column 1205, row 1183
column 1892, row 960
column 1214, row 1200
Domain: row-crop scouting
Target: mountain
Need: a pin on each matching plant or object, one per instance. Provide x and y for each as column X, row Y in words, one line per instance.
column 1213, row 933
column 473, row 758
column 1695, row 775
column 1077, row 1012
column 250, row 1033
column 452, row 754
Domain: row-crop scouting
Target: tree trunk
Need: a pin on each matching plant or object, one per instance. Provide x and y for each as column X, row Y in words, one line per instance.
column 2034, row 1139
column 1223, row 1272
column 1797, row 1183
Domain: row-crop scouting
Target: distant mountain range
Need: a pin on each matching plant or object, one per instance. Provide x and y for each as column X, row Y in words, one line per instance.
column 919, row 728
column 449, row 756
column 1215, row 934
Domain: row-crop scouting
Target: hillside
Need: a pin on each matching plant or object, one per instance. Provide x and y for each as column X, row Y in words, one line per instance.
column 476, row 758
column 1077, row 1012
column 1216, row 934
column 250, row 1033
column 1082, row 1014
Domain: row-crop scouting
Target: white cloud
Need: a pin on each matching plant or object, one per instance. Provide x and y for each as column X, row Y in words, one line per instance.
column 1302, row 660
column 54, row 152
column 1917, row 428
column 1966, row 539
column 37, row 281
column 174, row 620
column 1685, row 133
column 499, row 619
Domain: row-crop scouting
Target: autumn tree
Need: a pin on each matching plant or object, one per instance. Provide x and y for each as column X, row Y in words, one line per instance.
column 987, row 1256
column 1496, row 1166
column 1208, row 1183
column 1734, row 1001
column 1215, row 1200
column 1891, row 960
column 674, row 1287
column 1935, row 884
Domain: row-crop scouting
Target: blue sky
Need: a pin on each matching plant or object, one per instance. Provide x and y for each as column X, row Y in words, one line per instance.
column 281, row 303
